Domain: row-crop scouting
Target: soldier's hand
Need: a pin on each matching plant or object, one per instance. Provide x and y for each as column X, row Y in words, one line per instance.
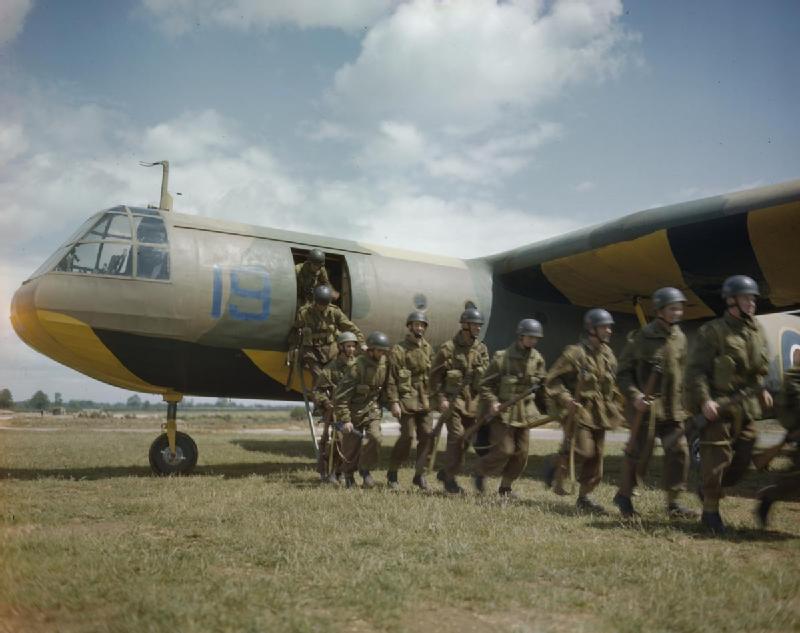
column 495, row 409
column 766, row 399
column 641, row 404
column 395, row 410
column 710, row 410
column 444, row 405
column 348, row 427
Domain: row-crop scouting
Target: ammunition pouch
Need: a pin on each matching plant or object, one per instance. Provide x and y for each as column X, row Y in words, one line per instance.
column 509, row 387
column 452, row 382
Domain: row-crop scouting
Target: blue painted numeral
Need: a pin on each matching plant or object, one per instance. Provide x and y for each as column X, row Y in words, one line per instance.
column 250, row 275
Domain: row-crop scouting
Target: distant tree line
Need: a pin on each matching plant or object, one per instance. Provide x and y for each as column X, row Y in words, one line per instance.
column 40, row 401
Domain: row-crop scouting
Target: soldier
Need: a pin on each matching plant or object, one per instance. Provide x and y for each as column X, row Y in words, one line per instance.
column 315, row 330
column 788, row 485
column 582, row 384
column 310, row 274
column 409, row 366
column 650, row 374
column 324, row 390
column 512, row 372
column 455, row 376
column 724, row 381
column 358, row 400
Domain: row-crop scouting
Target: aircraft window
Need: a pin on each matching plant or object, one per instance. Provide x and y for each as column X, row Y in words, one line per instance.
column 80, row 259
column 150, row 230
column 152, row 263
column 144, row 211
column 114, row 259
column 111, row 226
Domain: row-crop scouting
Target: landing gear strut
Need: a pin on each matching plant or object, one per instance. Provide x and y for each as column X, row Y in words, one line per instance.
column 173, row 452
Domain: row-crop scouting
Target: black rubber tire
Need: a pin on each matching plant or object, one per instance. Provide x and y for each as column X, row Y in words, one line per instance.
column 186, row 455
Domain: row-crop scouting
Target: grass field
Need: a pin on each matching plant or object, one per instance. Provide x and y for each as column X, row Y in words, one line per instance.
column 90, row 541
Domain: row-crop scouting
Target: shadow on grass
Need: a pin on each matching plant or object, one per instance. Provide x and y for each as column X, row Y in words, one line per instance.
column 655, row 527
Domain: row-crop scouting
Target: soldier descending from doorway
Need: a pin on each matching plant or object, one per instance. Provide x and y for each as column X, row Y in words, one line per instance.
column 315, row 330
column 513, row 372
column 358, row 401
column 582, row 384
column 725, row 382
column 329, row 378
column 650, row 374
column 457, row 370
column 311, row 274
column 409, row 368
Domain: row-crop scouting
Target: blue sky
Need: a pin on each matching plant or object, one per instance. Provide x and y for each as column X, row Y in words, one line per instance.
column 459, row 127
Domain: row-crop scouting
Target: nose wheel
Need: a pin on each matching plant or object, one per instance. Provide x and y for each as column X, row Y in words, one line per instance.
column 173, row 452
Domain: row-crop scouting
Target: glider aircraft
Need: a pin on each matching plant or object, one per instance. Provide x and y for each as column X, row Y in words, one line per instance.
column 155, row 301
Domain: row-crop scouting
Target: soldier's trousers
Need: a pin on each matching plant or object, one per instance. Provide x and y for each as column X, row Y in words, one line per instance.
column 411, row 424
column 676, row 457
column 330, row 447
column 509, row 452
column 787, row 487
column 361, row 453
column 456, row 424
column 589, row 447
column 313, row 359
column 724, row 457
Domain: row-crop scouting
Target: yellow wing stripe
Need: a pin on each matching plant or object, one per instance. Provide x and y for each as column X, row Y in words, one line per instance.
column 774, row 233
column 273, row 364
column 612, row 276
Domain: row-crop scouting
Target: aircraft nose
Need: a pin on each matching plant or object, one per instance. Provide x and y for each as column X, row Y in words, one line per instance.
column 24, row 318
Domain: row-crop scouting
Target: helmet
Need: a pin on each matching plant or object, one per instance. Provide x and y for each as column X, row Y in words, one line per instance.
column 530, row 327
column 418, row 316
column 322, row 294
column 378, row 340
column 664, row 296
column 739, row 285
column 471, row 315
column 346, row 337
column 316, row 256
column 597, row 316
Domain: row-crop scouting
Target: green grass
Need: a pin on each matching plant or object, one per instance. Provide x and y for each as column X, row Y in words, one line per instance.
column 89, row 541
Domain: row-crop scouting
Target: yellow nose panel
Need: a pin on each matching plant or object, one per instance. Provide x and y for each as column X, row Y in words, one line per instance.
column 274, row 365
column 612, row 276
column 75, row 344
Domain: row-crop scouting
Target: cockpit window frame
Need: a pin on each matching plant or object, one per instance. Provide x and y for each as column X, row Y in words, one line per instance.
column 80, row 237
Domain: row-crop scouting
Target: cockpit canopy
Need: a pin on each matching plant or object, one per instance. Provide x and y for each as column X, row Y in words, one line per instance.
column 118, row 242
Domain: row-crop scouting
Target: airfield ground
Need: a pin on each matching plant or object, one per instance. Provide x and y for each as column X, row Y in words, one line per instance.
column 90, row 541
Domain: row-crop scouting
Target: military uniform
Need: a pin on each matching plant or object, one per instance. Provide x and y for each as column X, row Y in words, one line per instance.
column 510, row 373
column 596, row 371
column 727, row 363
column 409, row 367
column 457, row 370
column 649, row 349
column 788, row 484
column 315, row 333
column 358, row 399
column 324, row 390
column 307, row 280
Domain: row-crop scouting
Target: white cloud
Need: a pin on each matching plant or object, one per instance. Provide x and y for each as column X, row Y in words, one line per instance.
column 12, row 18
column 465, row 64
column 584, row 186
column 178, row 16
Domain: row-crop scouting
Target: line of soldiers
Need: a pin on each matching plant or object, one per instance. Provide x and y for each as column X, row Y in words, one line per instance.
column 497, row 401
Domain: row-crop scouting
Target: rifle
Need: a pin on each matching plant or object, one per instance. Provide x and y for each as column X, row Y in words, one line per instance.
column 762, row 459
column 505, row 407
column 649, row 389
column 569, row 427
column 291, row 360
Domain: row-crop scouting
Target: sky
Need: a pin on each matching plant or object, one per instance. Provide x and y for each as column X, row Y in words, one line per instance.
column 459, row 127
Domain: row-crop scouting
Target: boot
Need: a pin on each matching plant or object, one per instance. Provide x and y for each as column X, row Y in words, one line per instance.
column 332, row 479
column 587, row 505
column 762, row 511
column 391, row 479
column 451, row 486
column 369, row 482
column 349, row 481
column 712, row 522
column 479, row 481
column 441, row 475
column 506, row 493
column 419, row 482
column 625, row 506
column 559, row 476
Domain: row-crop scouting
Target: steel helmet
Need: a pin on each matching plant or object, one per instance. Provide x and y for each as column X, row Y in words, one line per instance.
column 378, row 340
column 530, row 327
column 322, row 294
column 346, row 337
column 739, row 285
column 597, row 316
column 664, row 296
column 316, row 256
column 471, row 315
column 418, row 316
